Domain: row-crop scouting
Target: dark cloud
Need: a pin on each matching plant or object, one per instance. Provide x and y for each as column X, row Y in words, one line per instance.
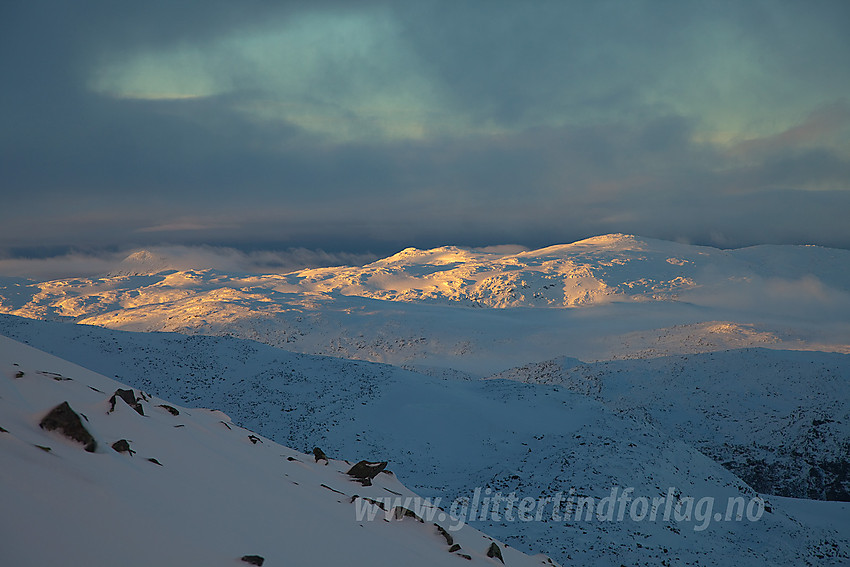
column 507, row 61
column 98, row 262
column 716, row 122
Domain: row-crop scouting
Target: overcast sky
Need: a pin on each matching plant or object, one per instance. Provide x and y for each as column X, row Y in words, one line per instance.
column 366, row 127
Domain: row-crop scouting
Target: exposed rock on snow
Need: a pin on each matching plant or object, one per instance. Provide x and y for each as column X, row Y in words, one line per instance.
column 123, row 446
column 170, row 409
column 129, row 398
column 364, row 471
column 494, row 552
column 319, row 455
column 449, row 539
column 63, row 418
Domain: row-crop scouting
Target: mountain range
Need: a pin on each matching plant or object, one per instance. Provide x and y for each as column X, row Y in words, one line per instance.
column 610, row 363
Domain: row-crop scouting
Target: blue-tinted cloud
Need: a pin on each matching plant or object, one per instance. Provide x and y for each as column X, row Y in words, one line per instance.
column 383, row 125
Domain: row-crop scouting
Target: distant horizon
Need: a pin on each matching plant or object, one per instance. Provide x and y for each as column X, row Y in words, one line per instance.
column 67, row 262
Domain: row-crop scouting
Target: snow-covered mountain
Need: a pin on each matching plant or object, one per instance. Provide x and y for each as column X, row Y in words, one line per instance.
column 614, row 267
column 142, row 263
column 448, row 436
column 637, row 297
column 95, row 473
column 779, row 419
column 636, row 392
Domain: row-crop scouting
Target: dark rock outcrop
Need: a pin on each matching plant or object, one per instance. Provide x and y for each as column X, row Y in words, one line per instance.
column 495, row 552
column 449, row 539
column 796, row 476
column 169, row 409
column 254, row 560
column 129, row 397
column 319, row 454
column 63, row 418
column 123, row 446
column 364, row 471
column 400, row 512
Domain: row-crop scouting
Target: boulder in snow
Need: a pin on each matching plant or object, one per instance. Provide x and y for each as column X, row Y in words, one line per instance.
column 65, row 419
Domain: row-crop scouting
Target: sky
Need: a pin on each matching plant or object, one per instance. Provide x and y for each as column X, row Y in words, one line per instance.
column 361, row 128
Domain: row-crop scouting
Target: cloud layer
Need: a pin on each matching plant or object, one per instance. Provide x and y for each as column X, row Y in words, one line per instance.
column 377, row 126
column 175, row 257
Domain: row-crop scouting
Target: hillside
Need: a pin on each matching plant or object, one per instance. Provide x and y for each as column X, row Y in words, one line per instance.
column 449, row 436
column 161, row 484
column 780, row 420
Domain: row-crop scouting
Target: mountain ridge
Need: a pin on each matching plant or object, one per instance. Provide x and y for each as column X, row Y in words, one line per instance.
column 449, row 436
column 482, row 312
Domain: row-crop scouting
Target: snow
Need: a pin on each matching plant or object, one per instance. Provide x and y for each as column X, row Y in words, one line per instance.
column 615, row 362
column 479, row 312
column 446, row 436
column 817, row 513
column 779, row 419
column 215, row 497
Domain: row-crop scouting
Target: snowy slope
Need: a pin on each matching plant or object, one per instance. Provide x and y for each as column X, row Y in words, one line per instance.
column 588, row 272
column 482, row 312
column 778, row 419
column 448, row 437
column 216, row 495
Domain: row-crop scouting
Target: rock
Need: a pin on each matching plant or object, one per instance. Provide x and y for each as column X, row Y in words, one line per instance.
column 494, row 551
column 254, row 559
column 449, row 539
column 154, row 461
column 3, row 430
column 169, row 409
column 254, row 439
column 62, row 417
column 377, row 503
column 123, row 446
column 455, row 547
column 319, row 454
column 19, row 374
column 129, row 397
column 400, row 512
column 364, row 470
column 323, row 485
